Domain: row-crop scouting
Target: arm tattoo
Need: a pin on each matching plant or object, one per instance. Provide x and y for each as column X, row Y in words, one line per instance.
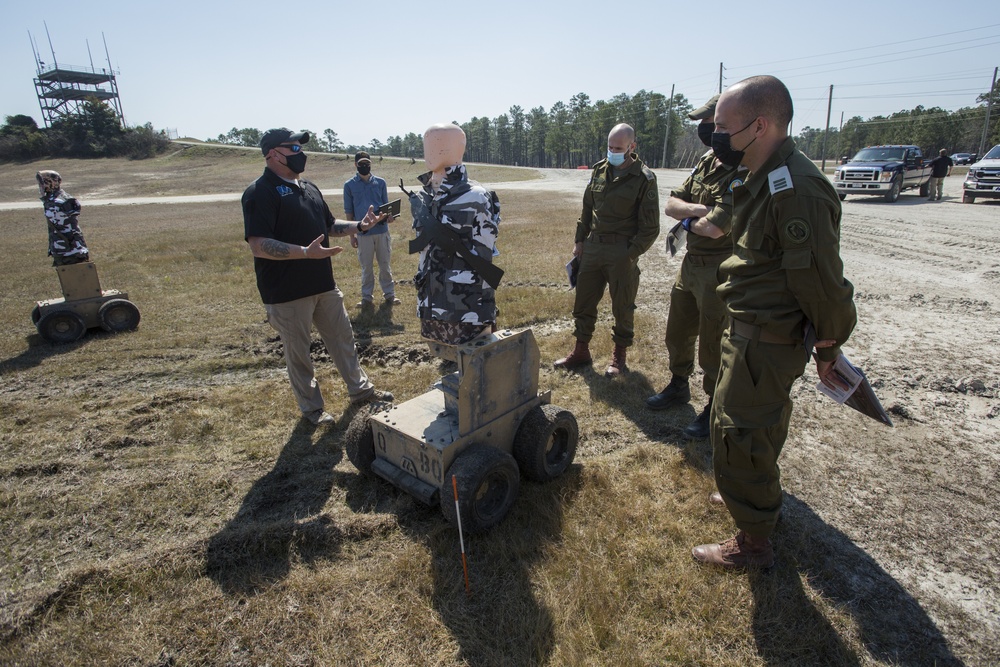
column 275, row 248
column 341, row 228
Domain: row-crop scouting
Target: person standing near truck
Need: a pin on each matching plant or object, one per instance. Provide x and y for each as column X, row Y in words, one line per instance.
column 940, row 168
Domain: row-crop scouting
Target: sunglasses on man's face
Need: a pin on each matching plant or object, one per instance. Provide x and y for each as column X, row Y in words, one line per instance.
column 295, row 148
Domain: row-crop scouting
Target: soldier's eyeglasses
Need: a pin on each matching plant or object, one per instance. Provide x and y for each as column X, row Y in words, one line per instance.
column 295, row 148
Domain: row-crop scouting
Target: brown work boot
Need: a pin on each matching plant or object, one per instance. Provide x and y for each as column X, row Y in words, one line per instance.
column 617, row 365
column 737, row 553
column 580, row 356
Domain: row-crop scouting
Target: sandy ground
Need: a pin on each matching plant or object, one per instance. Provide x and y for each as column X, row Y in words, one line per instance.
column 911, row 510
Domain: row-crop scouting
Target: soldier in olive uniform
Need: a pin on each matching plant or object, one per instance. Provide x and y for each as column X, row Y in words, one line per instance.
column 619, row 222
column 703, row 204
column 785, row 272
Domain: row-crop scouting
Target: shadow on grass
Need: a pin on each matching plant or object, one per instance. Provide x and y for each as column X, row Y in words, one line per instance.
column 628, row 395
column 888, row 621
column 501, row 621
column 38, row 351
column 255, row 549
column 372, row 321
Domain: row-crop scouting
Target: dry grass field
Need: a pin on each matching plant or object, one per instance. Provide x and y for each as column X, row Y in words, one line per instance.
column 161, row 503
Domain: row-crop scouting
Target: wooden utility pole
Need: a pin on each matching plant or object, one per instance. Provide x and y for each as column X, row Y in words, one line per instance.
column 989, row 106
column 666, row 132
column 826, row 130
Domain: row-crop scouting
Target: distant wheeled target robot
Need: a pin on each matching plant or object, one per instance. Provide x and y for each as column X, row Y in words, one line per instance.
column 84, row 305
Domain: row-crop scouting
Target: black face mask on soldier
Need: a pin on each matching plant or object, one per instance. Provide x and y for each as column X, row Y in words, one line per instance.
column 296, row 162
column 364, row 169
column 724, row 150
column 705, row 131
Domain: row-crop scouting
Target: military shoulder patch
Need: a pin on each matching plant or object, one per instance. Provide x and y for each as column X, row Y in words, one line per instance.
column 736, row 182
column 780, row 180
column 648, row 173
column 797, row 230
column 651, row 194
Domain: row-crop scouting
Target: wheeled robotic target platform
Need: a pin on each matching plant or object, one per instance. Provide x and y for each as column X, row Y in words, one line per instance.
column 84, row 305
column 485, row 424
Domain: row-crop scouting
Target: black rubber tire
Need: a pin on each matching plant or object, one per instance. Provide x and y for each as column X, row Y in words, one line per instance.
column 36, row 314
column 842, row 196
column 545, row 443
column 61, row 326
column 360, row 443
column 118, row 315
column 968, row 199
column 897, row 186
column 925, row 189
column 488, row 482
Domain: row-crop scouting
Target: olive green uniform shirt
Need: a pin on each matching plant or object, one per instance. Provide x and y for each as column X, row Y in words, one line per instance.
column 786, row 266
column 626, row 203
column 711, row 184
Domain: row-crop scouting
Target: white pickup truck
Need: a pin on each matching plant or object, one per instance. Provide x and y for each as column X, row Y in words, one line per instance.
column 983, row 180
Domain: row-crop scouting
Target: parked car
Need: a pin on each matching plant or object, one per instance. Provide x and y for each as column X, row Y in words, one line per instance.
column 962, row 158
column 884, row 171
column 983, row 179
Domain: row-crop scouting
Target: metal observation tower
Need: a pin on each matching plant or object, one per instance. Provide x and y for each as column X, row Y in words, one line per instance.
column 62, row 89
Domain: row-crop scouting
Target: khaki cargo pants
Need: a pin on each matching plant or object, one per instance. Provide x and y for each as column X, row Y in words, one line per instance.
column 606, row 265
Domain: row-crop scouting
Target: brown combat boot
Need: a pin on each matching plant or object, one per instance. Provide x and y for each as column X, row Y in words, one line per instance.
column 617, row 365
column 737, row 553
column 580, row 356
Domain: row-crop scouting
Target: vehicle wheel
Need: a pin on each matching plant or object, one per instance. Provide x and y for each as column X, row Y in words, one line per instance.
column 359, row 442
column 36, row 314
column 925, row 189
column 545, row 443
column 842, row 196
column 61, row 326
column 968, row 199
column 487, row 481
column 893, row 193
column 118, row 315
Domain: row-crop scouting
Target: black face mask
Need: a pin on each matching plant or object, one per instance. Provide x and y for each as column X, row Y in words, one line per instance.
column 364, row 169
column 724, row 150
column 705, row 131
column 296, row 162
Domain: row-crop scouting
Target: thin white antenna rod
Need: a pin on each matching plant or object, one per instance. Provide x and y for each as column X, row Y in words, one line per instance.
column 55, row 63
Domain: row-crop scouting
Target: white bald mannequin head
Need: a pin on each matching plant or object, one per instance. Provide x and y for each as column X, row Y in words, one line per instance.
column 444, row 146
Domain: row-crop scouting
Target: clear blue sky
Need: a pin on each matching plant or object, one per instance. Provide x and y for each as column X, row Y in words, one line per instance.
column 375, row 69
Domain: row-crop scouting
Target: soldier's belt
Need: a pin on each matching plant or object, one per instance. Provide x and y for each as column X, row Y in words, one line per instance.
column 707, row 260
column 755, row 332
column 607, row 238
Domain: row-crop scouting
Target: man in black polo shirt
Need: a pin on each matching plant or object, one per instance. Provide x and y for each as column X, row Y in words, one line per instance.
column 286, row 222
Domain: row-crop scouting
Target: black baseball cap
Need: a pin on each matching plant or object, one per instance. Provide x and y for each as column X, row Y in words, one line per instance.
column 281, row 135
column 706, row 110
column 362, row 155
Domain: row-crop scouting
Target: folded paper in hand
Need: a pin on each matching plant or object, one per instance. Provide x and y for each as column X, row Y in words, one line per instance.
column 859, row 393
column 676, row 238
column 572, row 271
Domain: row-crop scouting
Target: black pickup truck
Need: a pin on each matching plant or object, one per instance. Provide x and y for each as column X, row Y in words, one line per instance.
column 884, row 171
